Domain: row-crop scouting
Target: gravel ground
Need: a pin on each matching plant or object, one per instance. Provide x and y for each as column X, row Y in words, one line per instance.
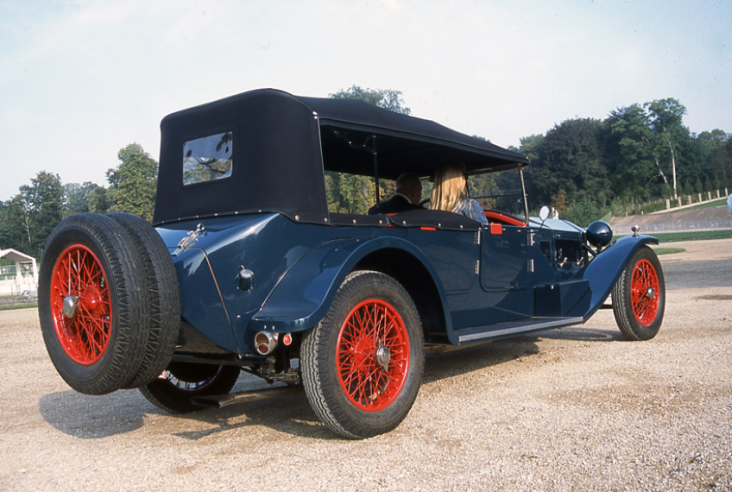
column 571, row 409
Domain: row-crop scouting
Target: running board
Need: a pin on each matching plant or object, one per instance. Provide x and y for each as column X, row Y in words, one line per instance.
column 500, row 330
column 218, row 401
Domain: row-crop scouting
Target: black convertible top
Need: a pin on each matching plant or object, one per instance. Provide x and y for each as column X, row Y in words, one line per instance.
column 282, row 144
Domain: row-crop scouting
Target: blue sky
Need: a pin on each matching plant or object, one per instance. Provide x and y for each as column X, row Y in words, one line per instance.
column 81, row 79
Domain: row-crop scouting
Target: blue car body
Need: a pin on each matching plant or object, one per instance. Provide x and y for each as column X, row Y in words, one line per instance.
column 266, row 213
column 487, row 289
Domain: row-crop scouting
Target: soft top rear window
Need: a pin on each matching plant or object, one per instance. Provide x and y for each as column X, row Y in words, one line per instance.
column 208, row 158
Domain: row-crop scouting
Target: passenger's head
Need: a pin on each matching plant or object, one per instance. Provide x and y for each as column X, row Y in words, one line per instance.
column 409, row 185
column 449, row 188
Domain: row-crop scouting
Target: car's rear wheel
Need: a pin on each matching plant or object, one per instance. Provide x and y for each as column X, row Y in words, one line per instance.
column 173, row 389
column 362, row 365
column 92, row 304
column 639, row 296
column 161, row 287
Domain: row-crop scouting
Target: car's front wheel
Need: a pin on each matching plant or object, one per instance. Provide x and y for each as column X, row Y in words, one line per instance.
column 639, row 296
column 362, row 365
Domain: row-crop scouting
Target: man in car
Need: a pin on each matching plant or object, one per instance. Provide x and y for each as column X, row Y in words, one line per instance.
column 407, row 195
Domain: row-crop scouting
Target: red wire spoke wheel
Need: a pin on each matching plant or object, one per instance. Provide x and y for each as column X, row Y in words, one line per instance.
column 81, row 306
column 639, row 296
column 644, row 292
column 362, row 364
column 373, row 355
column 93, row 304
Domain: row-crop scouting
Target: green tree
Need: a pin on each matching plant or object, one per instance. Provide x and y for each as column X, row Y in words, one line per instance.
column 529, row 146
column 570, row 157
column 630, row 152
column 665, row 117
column 97, row 200
column 133, row 183
column 43, row 201
column 81, row 198
column 719, row 156
column 383, row 98
column 15, row 225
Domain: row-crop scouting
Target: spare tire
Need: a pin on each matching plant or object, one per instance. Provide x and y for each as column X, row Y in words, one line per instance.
column 93, row 304
column 161, row 286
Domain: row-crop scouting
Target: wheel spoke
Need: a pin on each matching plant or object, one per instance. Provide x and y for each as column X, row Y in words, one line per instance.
column 85, row 334
column 644, row 292
column 370, row 325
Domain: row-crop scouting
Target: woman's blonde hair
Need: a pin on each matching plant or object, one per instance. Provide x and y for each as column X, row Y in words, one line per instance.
column 449, row 188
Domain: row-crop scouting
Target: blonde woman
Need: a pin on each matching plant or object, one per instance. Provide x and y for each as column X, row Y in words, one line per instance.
column 450, row 193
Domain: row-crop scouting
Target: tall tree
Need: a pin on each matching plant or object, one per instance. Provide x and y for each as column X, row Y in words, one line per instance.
column 530, row 145
column 44, row 206
column 570, row 158
column 665, row 116
column 15, row 225
column 631, row 152
column 134, row 182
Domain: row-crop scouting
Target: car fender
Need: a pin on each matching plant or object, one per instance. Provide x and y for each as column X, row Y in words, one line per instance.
column 603, row 272
column 305, row 292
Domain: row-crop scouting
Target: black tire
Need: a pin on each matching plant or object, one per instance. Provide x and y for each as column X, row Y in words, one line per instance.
column 639, row 296
column 162, row 290
column 343, row 350
column 183, row 381
column 88, row 261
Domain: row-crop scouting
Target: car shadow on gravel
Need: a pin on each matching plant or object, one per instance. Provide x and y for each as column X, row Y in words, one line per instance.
column 93, row 417
column 287, row 415
column 478, row 357
column 98, row 417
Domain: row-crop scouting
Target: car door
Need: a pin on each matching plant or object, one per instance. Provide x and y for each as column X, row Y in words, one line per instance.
column 505, row 271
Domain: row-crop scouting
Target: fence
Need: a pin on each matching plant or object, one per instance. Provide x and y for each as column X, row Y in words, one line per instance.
column 637, row 208
column 689, row 226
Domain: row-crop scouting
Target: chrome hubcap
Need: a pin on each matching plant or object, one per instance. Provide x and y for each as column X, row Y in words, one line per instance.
column 71, row 305
column 383, row 356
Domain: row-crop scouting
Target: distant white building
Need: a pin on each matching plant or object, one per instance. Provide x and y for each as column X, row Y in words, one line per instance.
column 24, row 277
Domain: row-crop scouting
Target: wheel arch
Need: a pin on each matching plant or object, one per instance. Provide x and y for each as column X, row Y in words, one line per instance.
column 303, row 295
column 419, row 283
column 604, row 271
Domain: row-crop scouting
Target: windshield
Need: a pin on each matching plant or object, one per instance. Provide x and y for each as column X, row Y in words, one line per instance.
column 500, row 191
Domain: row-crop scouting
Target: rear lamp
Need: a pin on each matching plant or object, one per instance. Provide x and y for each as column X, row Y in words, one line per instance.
column 265, row 342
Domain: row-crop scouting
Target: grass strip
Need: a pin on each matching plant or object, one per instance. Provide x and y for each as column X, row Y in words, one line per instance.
column 715, row 203
column 25, row 305
column 667, row 237
column 668, row 251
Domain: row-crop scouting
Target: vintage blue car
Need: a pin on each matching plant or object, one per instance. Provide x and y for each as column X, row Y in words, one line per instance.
column 251, row 266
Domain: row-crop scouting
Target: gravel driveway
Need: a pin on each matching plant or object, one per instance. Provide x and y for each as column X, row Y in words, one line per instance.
column 571, row 409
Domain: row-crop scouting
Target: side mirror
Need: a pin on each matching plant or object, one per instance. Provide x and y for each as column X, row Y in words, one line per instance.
column 544, row 213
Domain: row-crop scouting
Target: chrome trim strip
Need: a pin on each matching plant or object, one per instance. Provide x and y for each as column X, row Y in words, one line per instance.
column 522, row 328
